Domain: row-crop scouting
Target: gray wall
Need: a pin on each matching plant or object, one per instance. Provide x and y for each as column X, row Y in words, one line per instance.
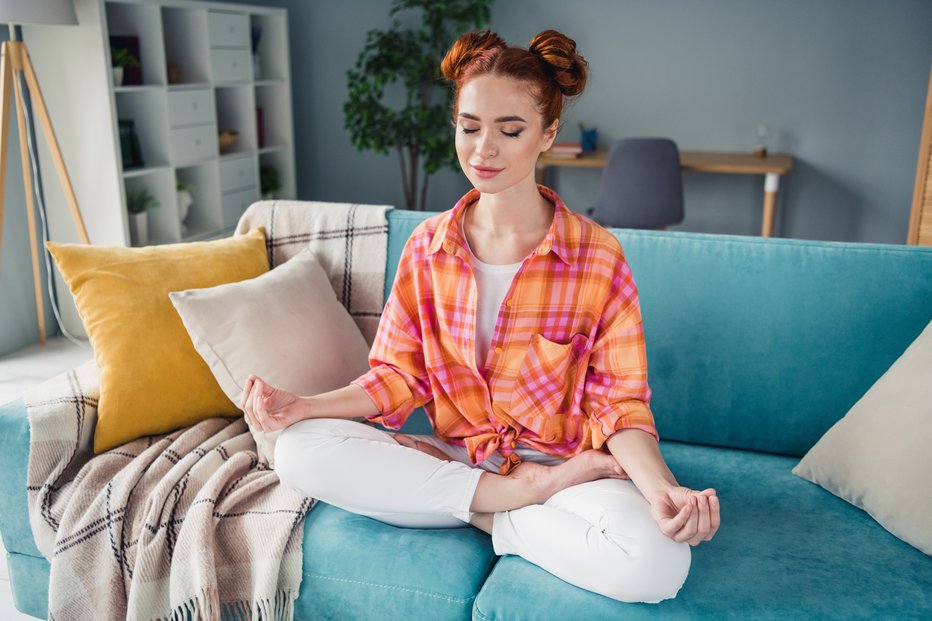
column 18, row 325
column 841, row 83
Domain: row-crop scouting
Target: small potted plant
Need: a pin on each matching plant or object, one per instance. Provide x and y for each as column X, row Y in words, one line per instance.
column 121, row 58
column 270, row 182
column 185, row 200
column 138, row 203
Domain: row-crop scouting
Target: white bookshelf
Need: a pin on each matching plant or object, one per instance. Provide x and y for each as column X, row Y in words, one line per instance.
column 176, row 120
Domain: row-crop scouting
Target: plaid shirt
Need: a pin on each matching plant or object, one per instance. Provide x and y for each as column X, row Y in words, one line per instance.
column 567, row 365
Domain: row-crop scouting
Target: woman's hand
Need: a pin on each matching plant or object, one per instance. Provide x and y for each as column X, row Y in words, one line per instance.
column 268, row 408
column 686, row 515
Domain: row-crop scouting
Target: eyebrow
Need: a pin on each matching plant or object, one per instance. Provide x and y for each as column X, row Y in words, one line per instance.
column 501, row 119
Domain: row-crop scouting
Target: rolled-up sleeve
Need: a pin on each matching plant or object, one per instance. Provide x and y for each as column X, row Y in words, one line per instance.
column 397, row 381
column 616, row 394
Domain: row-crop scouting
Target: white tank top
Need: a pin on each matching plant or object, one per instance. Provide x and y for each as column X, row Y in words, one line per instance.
column 492, row 284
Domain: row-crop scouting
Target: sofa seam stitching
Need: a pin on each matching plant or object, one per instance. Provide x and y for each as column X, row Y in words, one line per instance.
column 394, row 587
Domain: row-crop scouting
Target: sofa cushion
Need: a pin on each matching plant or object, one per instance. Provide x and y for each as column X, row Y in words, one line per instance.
column 152, row 380
column 359, row 568
column 785, row 549
column 286, row 326
column 878, row 456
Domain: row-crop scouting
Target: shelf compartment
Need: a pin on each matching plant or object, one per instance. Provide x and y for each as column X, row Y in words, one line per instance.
column 236, row 111
column 271, row 55
column 236, row 203
column 148, row 111
column 230, row 30
column 164, row 226
column 139, row 26
column 273, row 116
column 204, row 216
column 280, row 160
column 186, row 45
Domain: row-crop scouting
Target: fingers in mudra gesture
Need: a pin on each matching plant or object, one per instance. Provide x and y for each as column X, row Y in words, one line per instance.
column 268, row 408
column 687, row 515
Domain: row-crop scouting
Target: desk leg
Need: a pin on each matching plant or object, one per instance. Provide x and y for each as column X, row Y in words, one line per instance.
column 771, row 185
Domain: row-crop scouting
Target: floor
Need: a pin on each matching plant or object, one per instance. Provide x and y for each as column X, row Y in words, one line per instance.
column 19, row 371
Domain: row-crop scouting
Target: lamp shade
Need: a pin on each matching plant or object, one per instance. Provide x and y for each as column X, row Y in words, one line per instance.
column 37, row 12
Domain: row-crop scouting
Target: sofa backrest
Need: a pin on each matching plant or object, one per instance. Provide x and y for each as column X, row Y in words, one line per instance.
column 756, row 343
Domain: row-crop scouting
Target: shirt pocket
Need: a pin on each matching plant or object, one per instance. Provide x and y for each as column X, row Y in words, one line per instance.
column 546, row 377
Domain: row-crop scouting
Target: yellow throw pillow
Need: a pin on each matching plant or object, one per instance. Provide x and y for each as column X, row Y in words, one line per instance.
column 152, row 380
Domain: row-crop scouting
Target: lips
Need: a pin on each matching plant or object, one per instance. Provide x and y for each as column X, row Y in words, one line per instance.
column 486, row 172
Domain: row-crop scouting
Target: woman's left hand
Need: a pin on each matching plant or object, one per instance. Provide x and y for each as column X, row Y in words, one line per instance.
column 684, row 514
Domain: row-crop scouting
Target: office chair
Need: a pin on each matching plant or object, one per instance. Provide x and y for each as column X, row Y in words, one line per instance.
column 642, row 186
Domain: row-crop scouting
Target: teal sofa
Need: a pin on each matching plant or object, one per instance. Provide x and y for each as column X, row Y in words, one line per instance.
column 756, row 347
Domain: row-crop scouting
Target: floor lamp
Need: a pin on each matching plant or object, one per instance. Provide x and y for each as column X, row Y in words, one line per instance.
column 14, row 67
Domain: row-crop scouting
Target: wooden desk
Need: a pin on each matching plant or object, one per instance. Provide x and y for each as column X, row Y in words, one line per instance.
column 772, row 167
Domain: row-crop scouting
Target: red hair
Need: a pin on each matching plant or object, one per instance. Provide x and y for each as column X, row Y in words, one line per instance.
column 551, row 66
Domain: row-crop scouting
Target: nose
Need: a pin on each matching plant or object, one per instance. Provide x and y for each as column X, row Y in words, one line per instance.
column 487, row 146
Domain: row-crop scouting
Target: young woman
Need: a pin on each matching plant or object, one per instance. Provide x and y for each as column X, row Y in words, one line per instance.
column 515, row 323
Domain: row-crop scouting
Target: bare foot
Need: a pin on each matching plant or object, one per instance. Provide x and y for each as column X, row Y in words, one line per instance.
column 587, row 466
column 412, row 442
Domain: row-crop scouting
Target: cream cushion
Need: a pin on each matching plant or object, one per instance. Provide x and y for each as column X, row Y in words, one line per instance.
column 879, row 456
column 286, row 326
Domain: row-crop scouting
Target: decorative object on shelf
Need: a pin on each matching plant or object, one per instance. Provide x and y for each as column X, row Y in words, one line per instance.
column 138, row 204
column 226, row 139
column 589, row 138
column 173, row 71
column 15, row 69
column 131, row 61
column 185, row 191
column 270, row 181
column 256, row 32
column 129, row 145
column 420, row 131
column 260, row 127
column 760, row 144
column 121, row 58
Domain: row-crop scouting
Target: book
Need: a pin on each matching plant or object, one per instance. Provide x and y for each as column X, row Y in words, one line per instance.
column 565, row 149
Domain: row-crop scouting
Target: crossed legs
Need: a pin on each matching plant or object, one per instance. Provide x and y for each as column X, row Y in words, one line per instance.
column 596, row 534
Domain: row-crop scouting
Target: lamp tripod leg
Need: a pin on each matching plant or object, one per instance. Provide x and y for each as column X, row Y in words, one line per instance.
column 6, row 77
column 30, row 208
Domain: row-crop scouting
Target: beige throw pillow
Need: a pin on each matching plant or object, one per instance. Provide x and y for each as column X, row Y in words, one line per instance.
column 879, row 456
column 286, row 326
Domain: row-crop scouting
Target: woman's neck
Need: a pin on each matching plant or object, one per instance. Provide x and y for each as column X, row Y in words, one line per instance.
column 519, row 209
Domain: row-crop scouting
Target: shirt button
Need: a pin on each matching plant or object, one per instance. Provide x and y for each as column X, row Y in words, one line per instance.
column 514, row 443
column 508, row 303
column 498, row 350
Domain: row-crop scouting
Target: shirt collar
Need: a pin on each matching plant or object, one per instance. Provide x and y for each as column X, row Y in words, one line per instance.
column 562, row 238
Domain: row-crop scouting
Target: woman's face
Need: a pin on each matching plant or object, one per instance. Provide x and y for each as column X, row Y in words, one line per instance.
column 499, row 133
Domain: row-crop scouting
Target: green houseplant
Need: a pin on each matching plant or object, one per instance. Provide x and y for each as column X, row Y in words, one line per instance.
column 138, row 203
column 120, row 58
column 417, row 127
column 270, row 181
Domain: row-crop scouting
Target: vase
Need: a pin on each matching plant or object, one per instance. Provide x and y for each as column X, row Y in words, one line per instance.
column 139, row 229
column 117, row 76
column 185, row 200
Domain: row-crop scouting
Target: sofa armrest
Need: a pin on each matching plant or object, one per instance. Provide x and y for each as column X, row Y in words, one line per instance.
column 14, row 458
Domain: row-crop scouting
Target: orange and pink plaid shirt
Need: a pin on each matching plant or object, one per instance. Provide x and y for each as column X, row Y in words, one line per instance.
column 567, row 365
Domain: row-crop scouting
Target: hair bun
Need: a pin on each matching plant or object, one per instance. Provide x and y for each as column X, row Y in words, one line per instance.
column 467, row 49
column 568, row 68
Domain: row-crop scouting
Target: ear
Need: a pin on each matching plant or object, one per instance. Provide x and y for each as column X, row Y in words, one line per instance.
column 550, row 134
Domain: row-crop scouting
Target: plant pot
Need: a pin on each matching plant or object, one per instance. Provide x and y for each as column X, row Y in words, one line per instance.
column 139, row 228
column 117, row 76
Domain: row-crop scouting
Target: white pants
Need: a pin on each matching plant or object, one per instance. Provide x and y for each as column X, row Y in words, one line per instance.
column 599, row 536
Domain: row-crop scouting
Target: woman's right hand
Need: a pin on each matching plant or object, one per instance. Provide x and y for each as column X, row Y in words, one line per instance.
column 270, row 409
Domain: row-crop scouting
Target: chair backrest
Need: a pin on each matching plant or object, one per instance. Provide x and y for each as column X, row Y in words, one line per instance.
column 642, row 186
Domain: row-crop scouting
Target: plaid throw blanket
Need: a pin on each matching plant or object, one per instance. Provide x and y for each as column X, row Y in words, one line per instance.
column 185, row 526
column 350, row 241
